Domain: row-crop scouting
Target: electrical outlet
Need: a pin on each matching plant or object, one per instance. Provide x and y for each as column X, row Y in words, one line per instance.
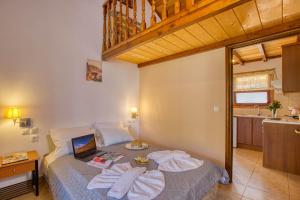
column 26, row 131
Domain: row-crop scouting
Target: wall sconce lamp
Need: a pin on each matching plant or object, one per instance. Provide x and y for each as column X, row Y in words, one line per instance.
column 134, row 112
column 14, row 113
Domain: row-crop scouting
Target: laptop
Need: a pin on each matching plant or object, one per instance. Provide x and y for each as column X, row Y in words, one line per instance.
column 84, row 148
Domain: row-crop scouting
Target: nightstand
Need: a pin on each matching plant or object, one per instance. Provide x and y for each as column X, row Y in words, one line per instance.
column 22, row 167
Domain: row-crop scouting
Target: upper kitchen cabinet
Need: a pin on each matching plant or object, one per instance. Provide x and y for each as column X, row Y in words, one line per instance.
column 291, row 68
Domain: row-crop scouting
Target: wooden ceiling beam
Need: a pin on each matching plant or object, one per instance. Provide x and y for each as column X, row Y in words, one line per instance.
column 259, row 59
column 238, row 57
column 279, row 31
column 262, row 52
column 200, row 11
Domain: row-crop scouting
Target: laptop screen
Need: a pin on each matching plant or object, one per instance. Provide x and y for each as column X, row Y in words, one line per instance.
column 83, row 145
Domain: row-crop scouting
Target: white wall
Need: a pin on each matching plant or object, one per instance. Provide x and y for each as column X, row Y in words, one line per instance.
column 176, row 104
column 44, row 46
column 286, row 99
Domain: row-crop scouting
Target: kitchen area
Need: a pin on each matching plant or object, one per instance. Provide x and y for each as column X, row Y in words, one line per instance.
column 267, row 102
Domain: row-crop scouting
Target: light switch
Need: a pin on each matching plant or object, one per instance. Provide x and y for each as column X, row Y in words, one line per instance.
column 34, row 130
column 216, row 108
column 34, row 138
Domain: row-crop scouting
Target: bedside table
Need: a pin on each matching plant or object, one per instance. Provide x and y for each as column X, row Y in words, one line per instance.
column 22, row 167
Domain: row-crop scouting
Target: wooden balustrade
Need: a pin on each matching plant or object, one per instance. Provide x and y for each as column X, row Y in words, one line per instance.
column 153, row 17
column 176, row 6
column 104, row 28
column 108, row 25
column 127, row 20
column 114, row 31
column 189, row 3
column 134, row 18
column 119, row 27
column 120, row 36
column 164, row 10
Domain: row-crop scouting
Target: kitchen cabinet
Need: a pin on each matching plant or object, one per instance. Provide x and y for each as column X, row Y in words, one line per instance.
column 257, row 131
column 281, row 147
column 291, row 68
column 249, row 133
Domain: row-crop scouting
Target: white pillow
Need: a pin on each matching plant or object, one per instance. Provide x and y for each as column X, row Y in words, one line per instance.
column 114, row 135
column 98, row 125
column 62, row 138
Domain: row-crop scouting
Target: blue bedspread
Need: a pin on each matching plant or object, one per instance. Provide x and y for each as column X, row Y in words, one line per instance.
column 69, row 177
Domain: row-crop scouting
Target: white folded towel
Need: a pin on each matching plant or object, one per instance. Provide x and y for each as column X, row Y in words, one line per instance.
column 147, row 186
column 124, row 183
column 174, row 161
column 122, row 179
column 108, row 176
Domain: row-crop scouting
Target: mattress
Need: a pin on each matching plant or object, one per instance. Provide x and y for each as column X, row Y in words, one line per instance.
column 69, row 177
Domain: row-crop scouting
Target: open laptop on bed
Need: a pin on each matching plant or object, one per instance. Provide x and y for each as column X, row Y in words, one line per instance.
column 85, row 149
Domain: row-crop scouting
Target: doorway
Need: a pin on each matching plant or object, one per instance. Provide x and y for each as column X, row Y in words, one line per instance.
column 231, row 97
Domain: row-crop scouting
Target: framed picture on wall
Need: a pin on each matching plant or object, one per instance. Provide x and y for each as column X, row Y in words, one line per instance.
column 94, row 70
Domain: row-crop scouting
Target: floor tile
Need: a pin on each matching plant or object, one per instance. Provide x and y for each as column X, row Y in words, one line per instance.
column 294, row 184
column 256, row 194
column 269, row 180
column 233, row 188
column 294, row 197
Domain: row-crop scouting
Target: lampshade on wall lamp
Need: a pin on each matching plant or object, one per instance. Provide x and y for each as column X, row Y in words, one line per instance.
column 14, row 113
column 134, row 112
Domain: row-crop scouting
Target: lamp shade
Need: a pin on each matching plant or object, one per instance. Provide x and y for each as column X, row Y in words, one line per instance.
column 134, row 111
column 13, row 113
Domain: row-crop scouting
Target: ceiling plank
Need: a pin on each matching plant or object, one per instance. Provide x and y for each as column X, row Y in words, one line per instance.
column 282, row 30
column 200, row 11
column 262, row 52
column 248, row 16
column 230, row 23
column 238, row 57
column 270, row 12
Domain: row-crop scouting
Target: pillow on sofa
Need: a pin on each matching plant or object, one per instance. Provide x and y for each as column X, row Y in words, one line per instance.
column 62, row 138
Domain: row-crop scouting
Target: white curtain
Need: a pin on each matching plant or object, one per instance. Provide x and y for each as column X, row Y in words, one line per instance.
column 253, row 81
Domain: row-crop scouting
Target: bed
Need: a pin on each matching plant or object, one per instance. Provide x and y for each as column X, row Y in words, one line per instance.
column 68, row 178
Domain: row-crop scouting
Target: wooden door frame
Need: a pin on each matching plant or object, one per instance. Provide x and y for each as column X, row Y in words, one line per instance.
column 229, row 90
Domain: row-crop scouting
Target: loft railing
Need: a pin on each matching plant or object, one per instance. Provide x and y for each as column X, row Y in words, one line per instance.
column 118, row 26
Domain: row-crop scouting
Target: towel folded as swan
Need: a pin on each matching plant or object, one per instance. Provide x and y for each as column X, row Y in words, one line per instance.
column 174, row 161
column 122, row 179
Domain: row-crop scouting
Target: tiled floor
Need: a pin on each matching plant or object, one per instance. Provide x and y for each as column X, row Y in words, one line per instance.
column 253, row 182
column 250, row 182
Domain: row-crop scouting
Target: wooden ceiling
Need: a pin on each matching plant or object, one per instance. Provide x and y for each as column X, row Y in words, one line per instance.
column 262, row 51
column 243, row 20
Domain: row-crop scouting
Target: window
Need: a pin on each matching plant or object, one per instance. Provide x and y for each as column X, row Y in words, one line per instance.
column 253, row 88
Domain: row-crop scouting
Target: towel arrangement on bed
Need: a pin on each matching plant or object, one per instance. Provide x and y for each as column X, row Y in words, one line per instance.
column 174, row 161
column 137, row 183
